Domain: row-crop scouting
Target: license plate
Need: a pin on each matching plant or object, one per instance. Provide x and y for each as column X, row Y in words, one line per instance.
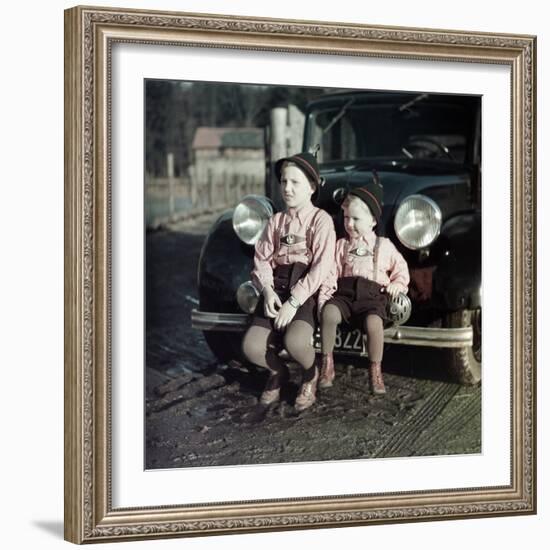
column 347, row 341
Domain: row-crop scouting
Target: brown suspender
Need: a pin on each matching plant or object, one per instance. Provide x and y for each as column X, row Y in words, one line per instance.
column 375, row 260
column 375, row 256
column 309, row 230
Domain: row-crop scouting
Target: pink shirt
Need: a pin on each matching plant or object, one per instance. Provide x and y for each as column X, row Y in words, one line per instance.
column 305, row 235
column 355, row 258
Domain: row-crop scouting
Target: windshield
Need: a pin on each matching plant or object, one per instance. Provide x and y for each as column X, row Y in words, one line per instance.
column 411, row 129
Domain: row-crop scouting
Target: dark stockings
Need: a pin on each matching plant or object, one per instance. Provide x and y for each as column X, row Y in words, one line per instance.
column 261, row 347
column 373, row 327
column 331, row 318
column 298, row 343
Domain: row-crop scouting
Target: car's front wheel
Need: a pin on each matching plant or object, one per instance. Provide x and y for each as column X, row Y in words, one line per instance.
column 465, row 363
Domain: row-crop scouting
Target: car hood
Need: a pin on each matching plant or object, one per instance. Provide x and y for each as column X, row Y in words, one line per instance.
column 451, row 191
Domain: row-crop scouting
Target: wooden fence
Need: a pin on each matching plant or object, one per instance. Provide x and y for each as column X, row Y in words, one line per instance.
column 172, row 199
column 216, row 184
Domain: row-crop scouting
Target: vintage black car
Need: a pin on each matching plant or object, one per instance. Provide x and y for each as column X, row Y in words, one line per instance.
column 426, row 150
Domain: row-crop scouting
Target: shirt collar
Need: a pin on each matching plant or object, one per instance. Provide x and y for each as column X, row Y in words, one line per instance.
column 301, row 212
column 369, row 239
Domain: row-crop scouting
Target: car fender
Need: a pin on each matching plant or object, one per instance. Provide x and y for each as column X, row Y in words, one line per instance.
column 225, row 262
column 457, row 278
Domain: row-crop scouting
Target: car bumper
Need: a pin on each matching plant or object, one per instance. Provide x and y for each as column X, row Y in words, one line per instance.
column 406, row 335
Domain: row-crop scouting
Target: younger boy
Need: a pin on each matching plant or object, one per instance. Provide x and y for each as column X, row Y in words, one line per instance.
column 367, row 269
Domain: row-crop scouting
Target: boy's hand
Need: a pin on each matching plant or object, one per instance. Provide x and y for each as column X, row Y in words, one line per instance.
column 285, row 316
column 393, row 290
column 272, row 303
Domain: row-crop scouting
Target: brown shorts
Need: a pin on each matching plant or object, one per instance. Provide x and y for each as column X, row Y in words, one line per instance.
column 284, row 278
column 358, row 297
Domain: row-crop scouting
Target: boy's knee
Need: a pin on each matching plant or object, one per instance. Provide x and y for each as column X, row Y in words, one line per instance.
column 289, row 342
column 294, row 342
column 245, row 347
column 330, row 314
column 373, row 323
column 251, row 347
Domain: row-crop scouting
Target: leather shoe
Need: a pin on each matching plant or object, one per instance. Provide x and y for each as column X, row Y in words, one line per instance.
column 376, row 379
column 270, row 396
column 272, row 391
column 306, row 395
column 327, row 374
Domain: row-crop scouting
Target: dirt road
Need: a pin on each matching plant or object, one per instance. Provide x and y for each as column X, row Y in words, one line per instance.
column 203, row 413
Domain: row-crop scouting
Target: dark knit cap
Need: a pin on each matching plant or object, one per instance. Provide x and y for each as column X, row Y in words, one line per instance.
column 306, row 162
column 372, row 194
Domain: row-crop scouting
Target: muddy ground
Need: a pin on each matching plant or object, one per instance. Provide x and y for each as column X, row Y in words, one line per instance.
column 200, row 412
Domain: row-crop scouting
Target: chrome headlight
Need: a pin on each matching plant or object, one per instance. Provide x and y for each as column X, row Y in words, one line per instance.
column 417, row 222
column 247, row 297
column 250, row 217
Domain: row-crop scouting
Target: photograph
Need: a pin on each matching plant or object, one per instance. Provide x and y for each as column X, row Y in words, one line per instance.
column 279, row 238
column 361, row 206
column 244, row 275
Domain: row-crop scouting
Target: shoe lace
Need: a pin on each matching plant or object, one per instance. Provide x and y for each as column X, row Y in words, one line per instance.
column 326, row 366
column 377, row 377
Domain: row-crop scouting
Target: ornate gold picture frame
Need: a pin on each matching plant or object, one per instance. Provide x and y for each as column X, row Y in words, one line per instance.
column 90, row 34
